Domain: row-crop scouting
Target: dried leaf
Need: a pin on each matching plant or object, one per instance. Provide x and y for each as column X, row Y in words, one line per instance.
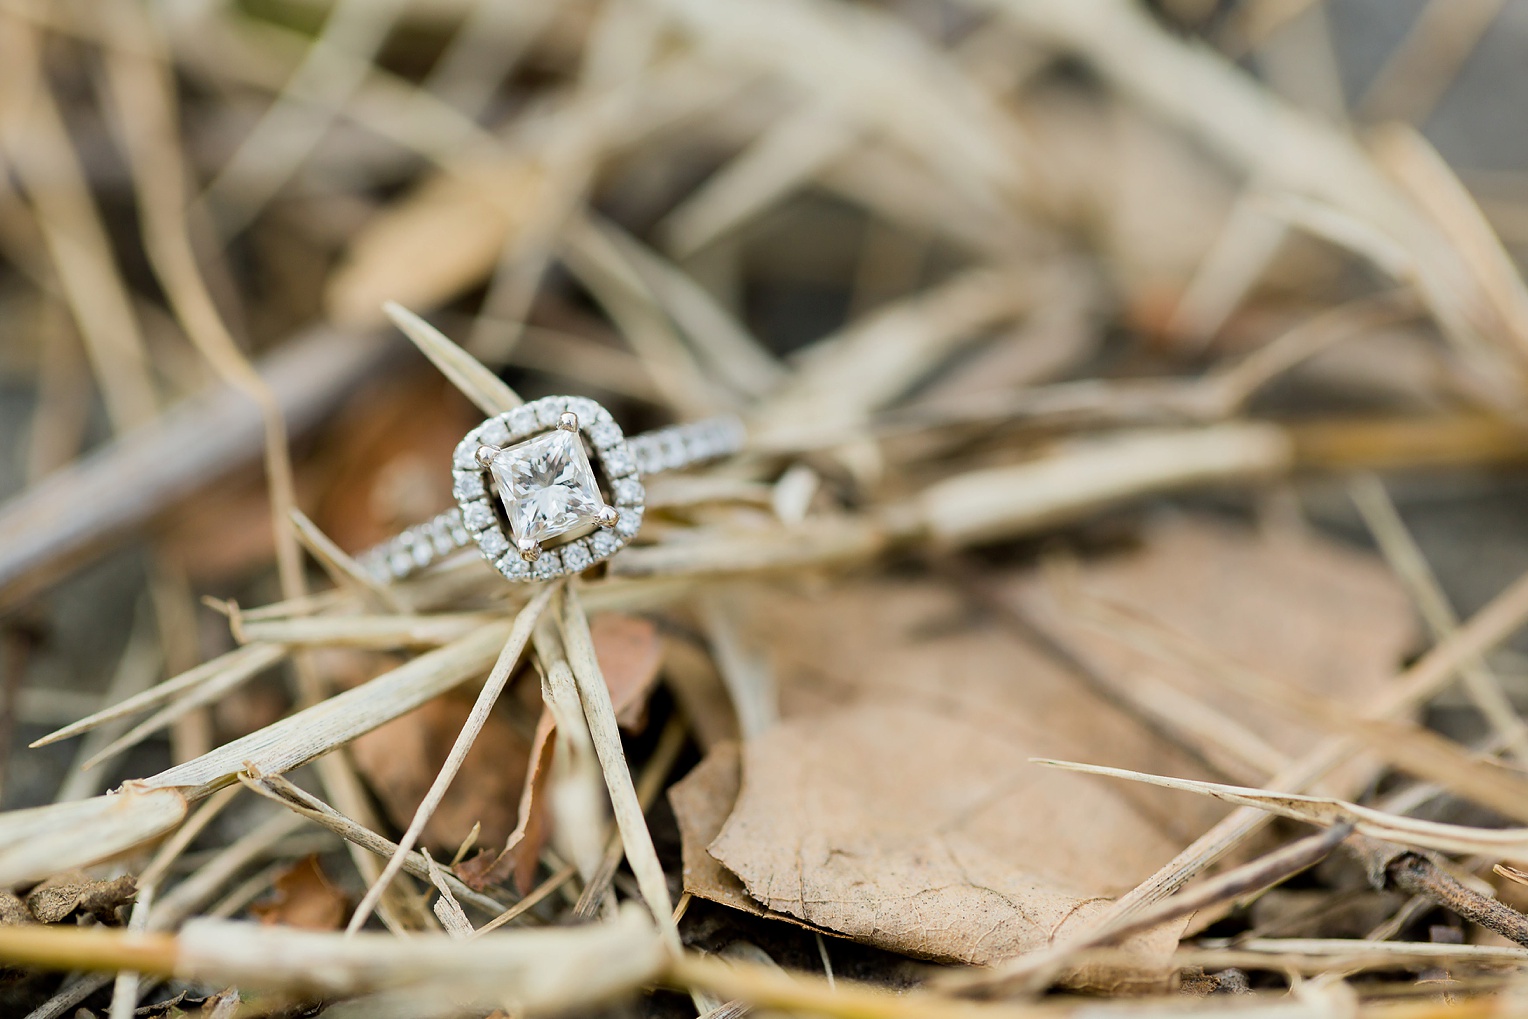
column 894, row 805
column 630, row 653
column 702, row 800
column 1309, row 612
column 924, row 834
column 400, row 759
column 304, row 898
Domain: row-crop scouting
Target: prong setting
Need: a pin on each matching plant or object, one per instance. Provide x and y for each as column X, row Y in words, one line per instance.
column 529, row 549
column 568, row 421
column 485, row 454
column 609, row 517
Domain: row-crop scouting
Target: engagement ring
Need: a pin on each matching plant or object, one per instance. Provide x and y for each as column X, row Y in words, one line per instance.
column 549, row 489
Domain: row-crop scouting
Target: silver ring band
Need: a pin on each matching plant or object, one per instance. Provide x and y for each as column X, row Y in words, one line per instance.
column 664, row 449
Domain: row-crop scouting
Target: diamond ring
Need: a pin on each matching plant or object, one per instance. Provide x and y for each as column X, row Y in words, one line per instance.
column 549, row 489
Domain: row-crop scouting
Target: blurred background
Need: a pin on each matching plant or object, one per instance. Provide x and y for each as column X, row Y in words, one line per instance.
column 902, row 239
column 663, row 205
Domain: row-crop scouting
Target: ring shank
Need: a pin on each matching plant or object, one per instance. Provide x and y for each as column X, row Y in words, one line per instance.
column 665, row 449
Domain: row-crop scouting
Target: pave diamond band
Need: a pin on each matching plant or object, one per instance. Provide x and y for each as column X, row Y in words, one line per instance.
column 556, row 470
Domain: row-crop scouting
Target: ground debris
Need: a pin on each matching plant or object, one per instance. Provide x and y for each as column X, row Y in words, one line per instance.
column 76, row 893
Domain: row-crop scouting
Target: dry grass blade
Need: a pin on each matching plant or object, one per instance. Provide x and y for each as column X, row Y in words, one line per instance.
column 278, row 789
column 538, row 971
column 1503, row 843
column 1407, row 747
column 53, row 525
column 728, row 349
column 1259, row 874
column 245, row 661
column 532, row 899
column 1004, row 502
column 341, row 568
column 599, row 263
column 776, row 163
column 198, row 697
column 379, row 633
column 845, row 377
column 145, row 96
column 337, row 720
column 508, row 658
column 600, row 716
column 1281, row 146
column 332, row 70
column 1390, row 533
column 46, row 840
column 38, row 147
column 478, row 384
column 447, row 910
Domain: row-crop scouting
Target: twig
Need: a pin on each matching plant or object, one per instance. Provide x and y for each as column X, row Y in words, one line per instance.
column 1407, row 560
column 277, row 788
column 58, row 523
column 1264, row 872
column 498, row 677
column 1415, row 873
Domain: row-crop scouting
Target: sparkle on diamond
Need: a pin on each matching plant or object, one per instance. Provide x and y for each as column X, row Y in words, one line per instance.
column 547, row 486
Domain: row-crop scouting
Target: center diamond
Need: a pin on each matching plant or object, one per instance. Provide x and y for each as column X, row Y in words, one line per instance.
column 547, row 486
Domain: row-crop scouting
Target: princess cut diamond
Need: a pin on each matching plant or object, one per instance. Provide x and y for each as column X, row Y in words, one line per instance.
column 547, row 486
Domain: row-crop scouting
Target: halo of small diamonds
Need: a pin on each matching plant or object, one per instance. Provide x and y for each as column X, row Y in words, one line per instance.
column 611, row 458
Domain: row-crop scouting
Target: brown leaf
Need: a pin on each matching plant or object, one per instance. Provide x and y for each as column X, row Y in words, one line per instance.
column 383, row 471
column 1324, row 617
column 304, row 898
column 896, row 804
column 630, row 653
column 65, row 895
column 928, row 834
column 401, row 759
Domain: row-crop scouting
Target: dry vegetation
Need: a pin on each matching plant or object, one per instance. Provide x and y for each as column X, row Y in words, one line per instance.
column 1015, row 664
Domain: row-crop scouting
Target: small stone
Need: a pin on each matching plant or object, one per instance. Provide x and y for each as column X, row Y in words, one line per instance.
column 468, row 485
column 495, row 432
column 671, row 449
column 604, row 433
column 576, row 557
column 630, row 522
column 618, row 461
column 628, row 491
column 421, row 550
column 604, row 543
column 699, row 446
column 465, row 457
column 477, row 515
column 587, row 410
column 514, row 567
column 548, row 566
column 493, row 542
column 522, row 422
column 548, row 410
